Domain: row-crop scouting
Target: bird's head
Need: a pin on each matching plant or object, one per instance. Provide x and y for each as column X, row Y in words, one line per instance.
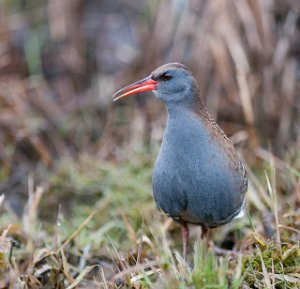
column 173, row 83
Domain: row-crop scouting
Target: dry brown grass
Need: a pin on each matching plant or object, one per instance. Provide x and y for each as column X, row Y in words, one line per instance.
column 60, row 62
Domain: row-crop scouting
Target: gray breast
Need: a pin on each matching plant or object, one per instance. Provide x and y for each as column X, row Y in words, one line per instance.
column 193, row 178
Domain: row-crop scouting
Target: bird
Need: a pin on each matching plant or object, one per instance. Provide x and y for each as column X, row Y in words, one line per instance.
column 198, row 177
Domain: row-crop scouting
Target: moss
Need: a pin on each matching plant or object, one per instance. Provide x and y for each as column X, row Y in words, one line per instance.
column 271, row 258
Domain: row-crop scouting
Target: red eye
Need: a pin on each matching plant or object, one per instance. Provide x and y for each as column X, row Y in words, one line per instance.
column 166, row 76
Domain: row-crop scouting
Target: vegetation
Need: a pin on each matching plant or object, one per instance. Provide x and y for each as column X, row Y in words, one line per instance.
column 76, row 209
column 116, row 236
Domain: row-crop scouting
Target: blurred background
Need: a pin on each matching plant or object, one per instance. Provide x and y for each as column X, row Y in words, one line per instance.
column 61, row 61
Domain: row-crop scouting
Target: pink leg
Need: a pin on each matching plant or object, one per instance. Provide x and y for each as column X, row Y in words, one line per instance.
column 205, row 237
column 204, row 233
column 185, row 238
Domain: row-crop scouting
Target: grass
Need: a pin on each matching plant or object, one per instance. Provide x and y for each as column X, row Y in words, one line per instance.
column 95, row 225
column 90, row 223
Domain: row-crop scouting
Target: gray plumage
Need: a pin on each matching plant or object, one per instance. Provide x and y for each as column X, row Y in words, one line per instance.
column 198, row 177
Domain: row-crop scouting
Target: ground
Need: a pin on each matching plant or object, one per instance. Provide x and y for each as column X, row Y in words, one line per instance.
column 96, row 226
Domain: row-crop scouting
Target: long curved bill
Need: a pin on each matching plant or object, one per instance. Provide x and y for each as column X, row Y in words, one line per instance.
column 139, row 86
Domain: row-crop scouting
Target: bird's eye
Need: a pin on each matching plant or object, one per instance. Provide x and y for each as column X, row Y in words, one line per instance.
column 166, row 76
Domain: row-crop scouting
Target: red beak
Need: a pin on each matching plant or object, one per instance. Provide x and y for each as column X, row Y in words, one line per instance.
column 139, row 86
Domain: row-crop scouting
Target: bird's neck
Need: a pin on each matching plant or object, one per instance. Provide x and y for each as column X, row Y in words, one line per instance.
column 194, row 107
